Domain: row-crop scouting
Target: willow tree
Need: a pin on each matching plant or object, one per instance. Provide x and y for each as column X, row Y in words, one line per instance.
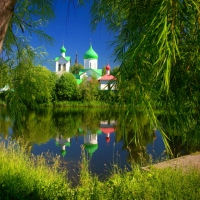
column 157, row 43
column 20, row 19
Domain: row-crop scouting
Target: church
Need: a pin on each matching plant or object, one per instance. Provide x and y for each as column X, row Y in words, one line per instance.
column 62, row 65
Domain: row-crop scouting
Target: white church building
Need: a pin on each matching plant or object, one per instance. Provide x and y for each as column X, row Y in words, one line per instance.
column 62, row 62
column 62, row 65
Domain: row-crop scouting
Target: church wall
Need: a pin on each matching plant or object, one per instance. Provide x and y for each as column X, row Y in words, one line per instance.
column 90, row 63
column 62, row 61
column 90, row 139
column 104, row 85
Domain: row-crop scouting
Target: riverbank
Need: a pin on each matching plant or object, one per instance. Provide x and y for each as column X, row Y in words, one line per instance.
column 72, row 104
column 184, row 162
column 79, row 104
column 30, row 177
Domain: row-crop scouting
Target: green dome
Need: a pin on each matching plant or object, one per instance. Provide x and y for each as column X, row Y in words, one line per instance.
column 90, row 53
column 63, row 50
column 91, row 148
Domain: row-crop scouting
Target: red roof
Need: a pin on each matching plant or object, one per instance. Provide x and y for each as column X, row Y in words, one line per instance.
column 107, row 130
column 107, row 77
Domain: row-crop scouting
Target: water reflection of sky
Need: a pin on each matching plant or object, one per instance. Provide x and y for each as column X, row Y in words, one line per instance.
column 157, row 148
column 106, row 154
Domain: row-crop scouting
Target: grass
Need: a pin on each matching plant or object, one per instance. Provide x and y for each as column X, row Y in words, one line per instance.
column 30, row 177
column 24, row 177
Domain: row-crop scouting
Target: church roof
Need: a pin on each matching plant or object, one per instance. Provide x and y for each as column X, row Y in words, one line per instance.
column 107, row 77
column 67, row 144
column 82, row 71
column 67, row 58
column 90, row 53
column 98, row 71
column 57, row 58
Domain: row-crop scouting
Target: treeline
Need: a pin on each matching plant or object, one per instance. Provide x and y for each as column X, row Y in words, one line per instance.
column 31, row 85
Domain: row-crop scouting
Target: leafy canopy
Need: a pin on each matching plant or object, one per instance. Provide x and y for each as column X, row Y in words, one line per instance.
column 157, row 43
column 76, row 68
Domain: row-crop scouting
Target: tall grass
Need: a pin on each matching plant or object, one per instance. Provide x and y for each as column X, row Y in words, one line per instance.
column 25, row 177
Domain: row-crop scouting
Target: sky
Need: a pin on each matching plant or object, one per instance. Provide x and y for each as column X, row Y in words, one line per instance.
column 71, row 27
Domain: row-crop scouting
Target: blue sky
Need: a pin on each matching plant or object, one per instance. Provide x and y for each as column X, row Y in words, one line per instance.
column 72, row 27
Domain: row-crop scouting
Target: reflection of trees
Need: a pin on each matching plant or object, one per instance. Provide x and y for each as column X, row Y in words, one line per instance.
column 36, row 127
column 43, row 124
column 184, row 134
column 70, row 121
column 66, row 123
column 136, row 133
column 5, row 122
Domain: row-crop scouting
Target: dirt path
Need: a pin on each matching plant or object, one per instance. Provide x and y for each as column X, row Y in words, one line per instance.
column 184, row 162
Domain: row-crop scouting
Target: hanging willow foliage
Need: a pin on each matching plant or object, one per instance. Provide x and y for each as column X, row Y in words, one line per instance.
column 157, row 43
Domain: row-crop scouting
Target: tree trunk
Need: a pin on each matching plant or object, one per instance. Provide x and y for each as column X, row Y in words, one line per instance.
column 6, row 10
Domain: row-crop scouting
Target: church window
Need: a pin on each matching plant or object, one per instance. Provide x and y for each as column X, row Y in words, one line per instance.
column 64, row 67
column 59, row 67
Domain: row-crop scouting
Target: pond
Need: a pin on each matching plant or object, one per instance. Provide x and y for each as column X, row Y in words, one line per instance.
column 66, row 131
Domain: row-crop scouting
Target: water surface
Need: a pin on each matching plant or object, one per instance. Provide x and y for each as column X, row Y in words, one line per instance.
column 65, row 132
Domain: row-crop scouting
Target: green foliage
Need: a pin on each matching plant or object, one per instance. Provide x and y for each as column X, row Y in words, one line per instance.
column 33, row 84
column 30, row 86
column 157, row 46
column 4, row 75
column 104, row 71
column 25, row 177
column 114, row 71
column 109, row 96
column 76, row 68
column 89, row 89
column 66, row 87
column 33, row 123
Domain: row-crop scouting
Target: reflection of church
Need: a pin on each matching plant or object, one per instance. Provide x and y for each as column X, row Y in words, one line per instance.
column 90, row 138
column 107, row 127
column 61, row 142
column 91, row 142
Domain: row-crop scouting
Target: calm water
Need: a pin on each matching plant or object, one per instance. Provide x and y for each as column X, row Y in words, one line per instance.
column 65, row 131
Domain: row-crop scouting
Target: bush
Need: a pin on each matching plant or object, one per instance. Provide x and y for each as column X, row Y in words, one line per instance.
column 66, row 87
